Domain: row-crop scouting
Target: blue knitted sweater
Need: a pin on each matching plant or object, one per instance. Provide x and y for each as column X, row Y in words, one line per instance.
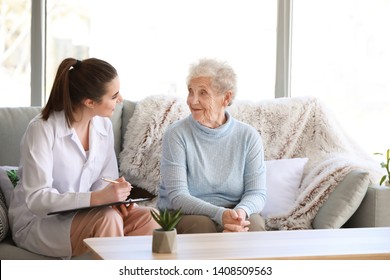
column 204, row 171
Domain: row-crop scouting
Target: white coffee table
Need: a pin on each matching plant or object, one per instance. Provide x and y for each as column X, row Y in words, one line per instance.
column 358, row 243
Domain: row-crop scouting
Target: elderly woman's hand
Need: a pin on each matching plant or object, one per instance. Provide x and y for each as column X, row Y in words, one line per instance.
column 234, row 221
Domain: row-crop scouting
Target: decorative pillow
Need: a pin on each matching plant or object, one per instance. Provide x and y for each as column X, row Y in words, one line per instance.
column 6, row 187
column 4, row 227
column 343, row 201
column 284, row 177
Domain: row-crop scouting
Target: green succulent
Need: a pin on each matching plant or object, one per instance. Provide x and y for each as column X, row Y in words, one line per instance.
column 386, row 166
column 167, row 219
column 13, row 176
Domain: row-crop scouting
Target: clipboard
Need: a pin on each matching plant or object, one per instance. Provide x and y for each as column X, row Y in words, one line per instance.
column 127, row 201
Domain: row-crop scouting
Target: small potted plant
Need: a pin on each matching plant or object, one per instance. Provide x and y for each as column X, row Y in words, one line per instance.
column 386, row 178
column 13, row 176
column 164, row 238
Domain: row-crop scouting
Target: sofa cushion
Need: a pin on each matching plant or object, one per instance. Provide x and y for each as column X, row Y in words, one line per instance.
column 343, row 201
column 9, row 251
column 283, row 179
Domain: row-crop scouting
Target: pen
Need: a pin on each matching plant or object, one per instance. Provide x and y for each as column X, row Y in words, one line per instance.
column 109, row 180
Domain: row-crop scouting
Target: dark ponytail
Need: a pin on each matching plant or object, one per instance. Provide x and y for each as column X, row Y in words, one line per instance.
column 76, row 81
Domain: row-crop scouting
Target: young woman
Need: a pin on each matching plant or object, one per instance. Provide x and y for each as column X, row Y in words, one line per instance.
column 65, row 152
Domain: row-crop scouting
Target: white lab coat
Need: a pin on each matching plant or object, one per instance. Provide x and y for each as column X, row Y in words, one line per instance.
column 56, row 174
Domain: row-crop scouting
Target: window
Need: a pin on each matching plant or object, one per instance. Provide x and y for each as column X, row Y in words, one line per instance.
column 340, row 53
column 152, row 42
column 68, row 34
column 15, row 27
column 340, row 50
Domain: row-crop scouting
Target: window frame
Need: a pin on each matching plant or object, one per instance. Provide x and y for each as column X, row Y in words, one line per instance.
column 38, row 52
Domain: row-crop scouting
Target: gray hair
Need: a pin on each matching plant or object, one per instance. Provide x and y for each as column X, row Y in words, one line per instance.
column 223, row 77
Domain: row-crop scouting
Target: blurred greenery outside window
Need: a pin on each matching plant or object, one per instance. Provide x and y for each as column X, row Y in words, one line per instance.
column 15, row 66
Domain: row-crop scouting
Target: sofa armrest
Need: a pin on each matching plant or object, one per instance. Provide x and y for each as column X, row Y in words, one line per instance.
column 374, row 211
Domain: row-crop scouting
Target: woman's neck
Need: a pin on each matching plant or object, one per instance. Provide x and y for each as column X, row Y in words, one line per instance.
column 215, row 123
column 81, row 126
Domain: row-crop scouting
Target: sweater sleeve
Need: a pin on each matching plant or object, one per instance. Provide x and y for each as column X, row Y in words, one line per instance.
column 254, row 196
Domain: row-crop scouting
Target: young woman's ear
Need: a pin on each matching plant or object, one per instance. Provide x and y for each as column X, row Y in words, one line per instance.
column 89, row 103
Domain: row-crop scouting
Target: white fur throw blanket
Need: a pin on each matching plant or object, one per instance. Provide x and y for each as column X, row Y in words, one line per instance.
column 290, row 128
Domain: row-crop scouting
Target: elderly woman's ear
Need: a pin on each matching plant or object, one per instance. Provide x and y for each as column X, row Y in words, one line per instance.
column 228, row 98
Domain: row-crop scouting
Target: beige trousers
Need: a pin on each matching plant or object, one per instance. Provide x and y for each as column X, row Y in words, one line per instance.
column 106, row 222
column 203, row 224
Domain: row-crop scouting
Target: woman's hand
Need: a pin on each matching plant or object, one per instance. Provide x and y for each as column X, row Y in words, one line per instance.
column 235, row 221
column 112, row 192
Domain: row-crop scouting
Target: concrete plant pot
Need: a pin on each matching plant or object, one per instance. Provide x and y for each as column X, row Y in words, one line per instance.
column 164, row 241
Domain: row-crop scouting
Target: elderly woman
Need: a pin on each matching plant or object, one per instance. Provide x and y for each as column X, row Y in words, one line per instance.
column 212, row 165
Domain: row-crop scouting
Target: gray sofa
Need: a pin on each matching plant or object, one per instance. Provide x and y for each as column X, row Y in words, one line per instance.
column 13, row 122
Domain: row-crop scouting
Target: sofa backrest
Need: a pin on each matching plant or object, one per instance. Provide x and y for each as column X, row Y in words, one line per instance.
column 123, row 112
column 127, row 113
column 14, row 121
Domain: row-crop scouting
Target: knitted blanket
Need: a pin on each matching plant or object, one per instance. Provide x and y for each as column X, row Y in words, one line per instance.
column 290, row 128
